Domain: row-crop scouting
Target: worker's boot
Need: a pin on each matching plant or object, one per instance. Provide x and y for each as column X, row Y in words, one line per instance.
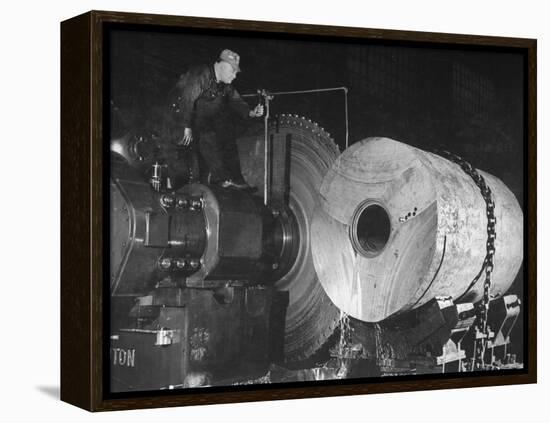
column 242, row 186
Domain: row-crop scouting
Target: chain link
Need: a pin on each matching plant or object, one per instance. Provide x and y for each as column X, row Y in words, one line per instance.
column 482, row 330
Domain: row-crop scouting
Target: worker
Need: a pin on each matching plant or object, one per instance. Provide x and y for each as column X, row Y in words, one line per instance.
column 203, row 107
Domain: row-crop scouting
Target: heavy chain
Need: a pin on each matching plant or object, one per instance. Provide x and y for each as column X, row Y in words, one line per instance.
column 482, row 331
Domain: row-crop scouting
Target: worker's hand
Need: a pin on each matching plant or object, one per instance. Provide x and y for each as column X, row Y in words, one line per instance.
column 187, row 136
column 257, row 111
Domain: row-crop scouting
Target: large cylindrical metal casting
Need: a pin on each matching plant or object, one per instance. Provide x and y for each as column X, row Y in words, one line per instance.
column 399, row 226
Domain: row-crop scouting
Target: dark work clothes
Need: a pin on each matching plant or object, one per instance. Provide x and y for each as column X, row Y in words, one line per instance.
column 208, row 108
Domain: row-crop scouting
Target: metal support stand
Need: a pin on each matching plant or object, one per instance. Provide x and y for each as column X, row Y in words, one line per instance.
column 267, row 148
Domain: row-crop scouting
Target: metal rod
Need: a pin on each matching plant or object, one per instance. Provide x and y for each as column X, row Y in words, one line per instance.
column 316, row 90
column 346, row 109
column 267, row 155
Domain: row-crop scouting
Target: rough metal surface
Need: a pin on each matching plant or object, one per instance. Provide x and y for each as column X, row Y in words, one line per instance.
column 437, row 238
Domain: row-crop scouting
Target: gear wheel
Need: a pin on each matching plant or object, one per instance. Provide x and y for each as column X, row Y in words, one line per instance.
column 311, row 316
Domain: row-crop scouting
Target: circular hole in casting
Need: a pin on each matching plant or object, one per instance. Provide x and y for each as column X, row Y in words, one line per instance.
column 371, row 229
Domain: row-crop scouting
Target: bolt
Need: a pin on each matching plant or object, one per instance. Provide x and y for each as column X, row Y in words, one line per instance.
column 180, row 263
column 194, row 263
column 165, row 263
column 196, row 204
column 182, row 203
column 167, row 201
column 275, row 266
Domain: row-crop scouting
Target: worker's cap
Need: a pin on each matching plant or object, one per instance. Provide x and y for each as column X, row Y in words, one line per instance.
column 232, row 58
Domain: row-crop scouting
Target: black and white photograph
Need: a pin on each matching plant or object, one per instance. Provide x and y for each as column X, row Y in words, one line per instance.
column 293, row 210
column 244, row 211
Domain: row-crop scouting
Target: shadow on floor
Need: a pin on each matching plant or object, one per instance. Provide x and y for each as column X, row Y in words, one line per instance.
column 51, row 391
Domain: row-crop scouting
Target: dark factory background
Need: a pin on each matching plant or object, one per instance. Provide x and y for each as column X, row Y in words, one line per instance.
column 470, row 102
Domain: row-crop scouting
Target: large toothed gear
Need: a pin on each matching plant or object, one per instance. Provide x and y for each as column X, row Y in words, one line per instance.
column 311, row 316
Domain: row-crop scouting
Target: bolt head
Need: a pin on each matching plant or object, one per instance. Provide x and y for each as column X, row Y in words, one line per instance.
column 167, row 201
column 182, row 203
column 196, row 204
column 165, row 263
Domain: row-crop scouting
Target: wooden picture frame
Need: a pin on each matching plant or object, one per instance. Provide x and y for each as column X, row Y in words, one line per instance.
column 85, row 218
